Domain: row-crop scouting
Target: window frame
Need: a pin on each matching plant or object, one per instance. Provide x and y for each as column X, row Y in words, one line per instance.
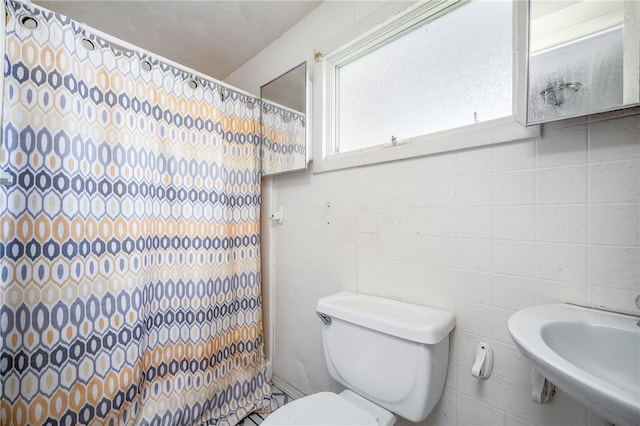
column 508, row 128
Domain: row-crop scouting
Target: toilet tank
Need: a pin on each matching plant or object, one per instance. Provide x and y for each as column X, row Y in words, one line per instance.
column 392, row 353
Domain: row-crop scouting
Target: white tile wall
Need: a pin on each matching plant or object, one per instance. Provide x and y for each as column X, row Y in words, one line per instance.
column 481, row 232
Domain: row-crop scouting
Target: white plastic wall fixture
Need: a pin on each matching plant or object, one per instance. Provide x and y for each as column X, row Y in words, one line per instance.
column 482, row 361
column 278, row 215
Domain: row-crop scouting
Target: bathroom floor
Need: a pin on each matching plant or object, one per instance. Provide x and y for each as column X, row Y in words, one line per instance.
column 280, row 399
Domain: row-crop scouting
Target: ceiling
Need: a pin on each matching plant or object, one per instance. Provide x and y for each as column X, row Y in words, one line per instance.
column 213, row 37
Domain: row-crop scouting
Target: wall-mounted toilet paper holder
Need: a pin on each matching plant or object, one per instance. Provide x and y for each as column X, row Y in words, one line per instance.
column 482, row 361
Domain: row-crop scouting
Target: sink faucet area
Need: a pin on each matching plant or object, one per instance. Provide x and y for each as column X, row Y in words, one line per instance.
column 593, row 355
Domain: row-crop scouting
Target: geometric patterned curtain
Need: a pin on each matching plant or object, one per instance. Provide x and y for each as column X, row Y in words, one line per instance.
column 284, row 143
column 129, row 254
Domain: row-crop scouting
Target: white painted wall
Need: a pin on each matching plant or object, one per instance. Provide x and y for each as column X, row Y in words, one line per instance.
column 481, row 232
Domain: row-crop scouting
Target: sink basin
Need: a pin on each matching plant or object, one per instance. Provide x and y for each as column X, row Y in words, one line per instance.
column 592, row 355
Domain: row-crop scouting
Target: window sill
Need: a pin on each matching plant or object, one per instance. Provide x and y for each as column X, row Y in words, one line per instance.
column 487, row 133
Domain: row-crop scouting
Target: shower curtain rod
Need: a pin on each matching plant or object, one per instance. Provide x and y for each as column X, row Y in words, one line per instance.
column 115, row 40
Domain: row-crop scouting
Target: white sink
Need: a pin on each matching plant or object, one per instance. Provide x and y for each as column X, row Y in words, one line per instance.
column 592, row 355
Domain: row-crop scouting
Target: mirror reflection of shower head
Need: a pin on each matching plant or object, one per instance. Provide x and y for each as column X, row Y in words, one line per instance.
column 558, row 92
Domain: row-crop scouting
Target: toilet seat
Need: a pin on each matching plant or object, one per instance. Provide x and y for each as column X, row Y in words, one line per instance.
column 324, row 408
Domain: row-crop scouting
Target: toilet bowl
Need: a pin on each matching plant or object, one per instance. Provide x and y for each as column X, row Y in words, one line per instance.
column 391, row 356
column 327, row 408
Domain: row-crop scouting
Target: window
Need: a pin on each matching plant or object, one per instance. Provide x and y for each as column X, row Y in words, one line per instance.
column 436, row 77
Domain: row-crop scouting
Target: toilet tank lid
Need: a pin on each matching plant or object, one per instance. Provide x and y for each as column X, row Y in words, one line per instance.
column 406, row 320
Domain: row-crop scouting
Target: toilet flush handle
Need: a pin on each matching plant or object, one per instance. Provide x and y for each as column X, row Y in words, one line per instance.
column 326, row 319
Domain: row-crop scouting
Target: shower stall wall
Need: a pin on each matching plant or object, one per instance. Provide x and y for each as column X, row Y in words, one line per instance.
column 129, row 254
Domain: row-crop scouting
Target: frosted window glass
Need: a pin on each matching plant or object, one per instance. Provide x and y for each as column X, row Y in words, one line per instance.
column 447, row 73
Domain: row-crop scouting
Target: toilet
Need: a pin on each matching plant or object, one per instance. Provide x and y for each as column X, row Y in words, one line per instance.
column 391, row 356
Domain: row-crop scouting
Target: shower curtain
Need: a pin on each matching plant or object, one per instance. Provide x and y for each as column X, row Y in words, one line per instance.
column 129, row 254
column 284, row 144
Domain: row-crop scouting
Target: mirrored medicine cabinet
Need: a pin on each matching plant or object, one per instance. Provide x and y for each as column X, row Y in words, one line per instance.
column 583, row 58
column 284, row 122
